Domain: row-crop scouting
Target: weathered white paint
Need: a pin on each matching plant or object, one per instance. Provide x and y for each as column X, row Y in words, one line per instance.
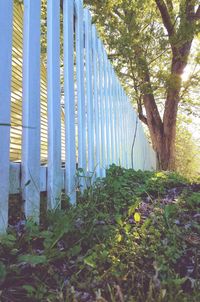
column 6, row 12
column 31, row 109
column 110, row 102
column 96, row 100
column 107, row 109
column 15, row 178
column 89, row 96
column 80, row 87
column 70, row 143
column 115, row 112
column 113, row 117
column 102, row 108
column 54, row 104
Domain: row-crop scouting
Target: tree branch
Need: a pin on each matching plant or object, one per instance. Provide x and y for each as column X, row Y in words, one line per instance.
column 194, row 16
column 120, row 15
column 170, row 5
column 165, row 17
column 143, row 118
column 197, row 14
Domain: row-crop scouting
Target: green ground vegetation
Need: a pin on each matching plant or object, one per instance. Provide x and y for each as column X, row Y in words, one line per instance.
column 133, row 236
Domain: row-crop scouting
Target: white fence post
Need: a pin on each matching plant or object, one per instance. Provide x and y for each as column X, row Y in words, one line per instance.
column 107, row 109
column 70, row 145
column 89, row 96
column 31, row 109
column 6, row 13
column 115, row 113
column 127, row 125
column 96, row 100
column 54, row 183
column 121, row 127
column 80, row 87
column 113, row 116
column 102, row 108
column 118, row 123
column 110, row 114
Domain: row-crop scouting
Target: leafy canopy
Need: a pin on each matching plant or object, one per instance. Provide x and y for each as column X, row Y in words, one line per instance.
column 137, row 40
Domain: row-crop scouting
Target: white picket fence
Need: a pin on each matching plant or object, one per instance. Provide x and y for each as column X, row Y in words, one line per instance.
column 106, row 121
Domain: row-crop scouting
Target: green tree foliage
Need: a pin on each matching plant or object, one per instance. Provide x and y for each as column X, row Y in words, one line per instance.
column 150, row 43
column 187, row 151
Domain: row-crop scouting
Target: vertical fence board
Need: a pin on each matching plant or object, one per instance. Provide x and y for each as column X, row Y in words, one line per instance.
column 80, row 86
column 107, row 108
column 6, row 13
column 113, row 116
column 54, row 106
column 102, row 109
column 118, row 124
column 31, row 109
column 70, row 148
column 90, row 106
column 121, row 126
column 115, row 112
column 96, row 102
column 110, row 100
column 127, row 129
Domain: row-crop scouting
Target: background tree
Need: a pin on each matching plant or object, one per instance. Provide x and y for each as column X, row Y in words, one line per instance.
column 150, row 43
column 187, row 150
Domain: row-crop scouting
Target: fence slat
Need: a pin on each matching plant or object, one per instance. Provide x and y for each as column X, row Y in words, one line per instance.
column 102, row 108
column 31, row 109
column 115, row 116
column 110, row 114
column 117, row 121
column 107, row 109
column 70, row 147
column 6, row 13
column 90, row 106
column 54, row 184
column 96, row 103
column 80, row 86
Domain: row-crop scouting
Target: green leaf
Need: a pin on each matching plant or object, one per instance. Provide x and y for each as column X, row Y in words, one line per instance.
column 27, row 183
column 90, row 260
column 179, row 281
column 133, row 207
column 8, row 240
column 30, row 289
column 118, row 219
column 127, row 228
column 75, row 250
column 2, row 271
column 32, row 259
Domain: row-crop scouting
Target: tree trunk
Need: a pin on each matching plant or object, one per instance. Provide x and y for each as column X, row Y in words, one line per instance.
column 163, row 133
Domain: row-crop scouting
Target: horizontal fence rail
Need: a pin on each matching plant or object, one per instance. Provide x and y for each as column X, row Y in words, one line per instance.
column 63, row 111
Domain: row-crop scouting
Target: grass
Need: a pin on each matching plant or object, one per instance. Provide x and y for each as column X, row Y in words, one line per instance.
column 134, row 236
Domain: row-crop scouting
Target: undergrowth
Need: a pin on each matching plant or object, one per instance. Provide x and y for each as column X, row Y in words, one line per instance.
column 133, row 236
